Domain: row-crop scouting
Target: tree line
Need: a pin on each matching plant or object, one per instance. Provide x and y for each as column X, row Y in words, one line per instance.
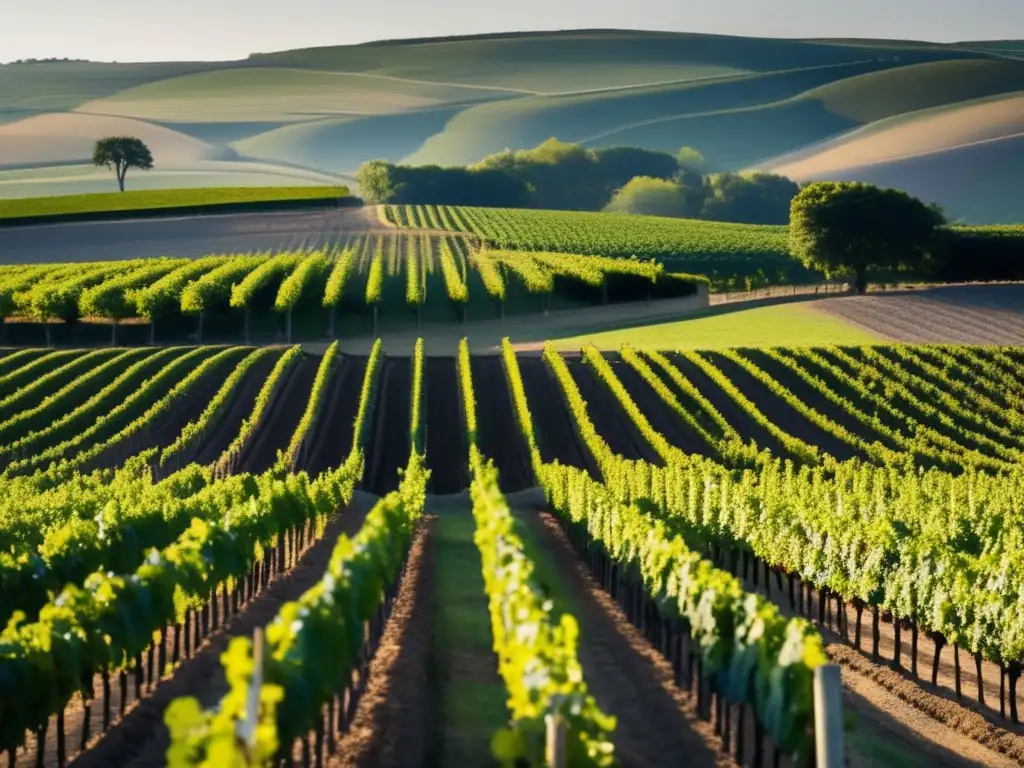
column 561, row 176
column 848, row 228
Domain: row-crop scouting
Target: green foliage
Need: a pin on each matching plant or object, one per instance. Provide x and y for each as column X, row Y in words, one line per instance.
column 850, row 227
column 688, row 157
column 536, row 656
column 133, row 416
column 51, row 413
column 264, row 275
column 489, row 274
column 649, row 197
column 309, row 277
column 751, row 198
column 58, row 296
column 716, row 249
column 375, row 277
column 375, row 183
column 453, row 281
column 755, row 654
column 278, row 375
column 215, row 288
column 113, row 299
column 110, row 619
column 313, row 644
column 119, row 153
column 201, row 428
column 164, row 296
column 415, row 399
column 324, row 372
column 344, row 265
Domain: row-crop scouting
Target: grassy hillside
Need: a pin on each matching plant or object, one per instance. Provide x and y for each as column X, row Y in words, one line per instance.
column 526, row 122
column 341, row 145
column 317, row 114
column 27, row 89
column 907, row 135
column 878, row 95
column 733, row 122
column 557, row 62
column 255, row 94
column 978, row 183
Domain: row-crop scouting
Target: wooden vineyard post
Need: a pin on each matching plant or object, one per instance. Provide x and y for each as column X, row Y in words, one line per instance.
column 829, row 748
column 246, row 729
column 554, row 751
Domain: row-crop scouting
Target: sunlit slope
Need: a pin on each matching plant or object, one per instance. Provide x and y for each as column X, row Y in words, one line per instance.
column 914, row 87
column 67, row 137
column 255, row 94
column 981, row 182
column 734, row 122
column 559, row 62
column 521, row 123
column 342, row 145
column 904, row 136
column 27, row 90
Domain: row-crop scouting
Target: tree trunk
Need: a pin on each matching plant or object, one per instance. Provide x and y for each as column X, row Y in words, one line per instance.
column 288, row 321
column 49, row 341
column 246, row 325
column 113, row 333
column 861, row 280
column 152, row 332
column 199, row 328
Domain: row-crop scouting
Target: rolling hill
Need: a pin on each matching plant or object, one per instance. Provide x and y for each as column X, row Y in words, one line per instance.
column 803, row 106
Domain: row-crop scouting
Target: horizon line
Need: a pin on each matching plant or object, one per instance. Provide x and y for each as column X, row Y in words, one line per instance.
column 826, row 40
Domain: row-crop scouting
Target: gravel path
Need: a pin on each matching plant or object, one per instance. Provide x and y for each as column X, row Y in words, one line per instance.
column 969, row 314
column 185, row 236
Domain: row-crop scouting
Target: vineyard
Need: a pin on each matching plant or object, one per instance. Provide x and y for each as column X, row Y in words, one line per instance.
column 744, row 511
column 360, row 285
column 732, row 256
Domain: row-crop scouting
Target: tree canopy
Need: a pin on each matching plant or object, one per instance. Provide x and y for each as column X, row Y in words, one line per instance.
column 119, row 153
column 649, row 196
column 849, row 227
column 562, row 176
column 753, row 198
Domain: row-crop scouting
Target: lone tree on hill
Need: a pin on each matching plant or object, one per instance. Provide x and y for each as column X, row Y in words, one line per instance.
column 119, row 153
column 842, row 227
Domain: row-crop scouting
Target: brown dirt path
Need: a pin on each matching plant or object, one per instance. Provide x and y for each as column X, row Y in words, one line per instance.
column 392, row 724
column 498, row 433
column 609, row 417
column 627, row 676
column 557, row 437
column 283, row 417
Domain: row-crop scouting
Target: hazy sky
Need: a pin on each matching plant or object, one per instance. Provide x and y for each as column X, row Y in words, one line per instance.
column 148, row 30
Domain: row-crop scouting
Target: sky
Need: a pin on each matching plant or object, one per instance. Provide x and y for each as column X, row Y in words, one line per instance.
column 166, row 30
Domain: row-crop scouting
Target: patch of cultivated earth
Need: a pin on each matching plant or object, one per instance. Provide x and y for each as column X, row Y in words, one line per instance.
column 979, row 314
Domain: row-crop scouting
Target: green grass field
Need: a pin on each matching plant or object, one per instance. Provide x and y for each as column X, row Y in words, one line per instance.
column 156, row 199
column 780, row 325
column 471, row 697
